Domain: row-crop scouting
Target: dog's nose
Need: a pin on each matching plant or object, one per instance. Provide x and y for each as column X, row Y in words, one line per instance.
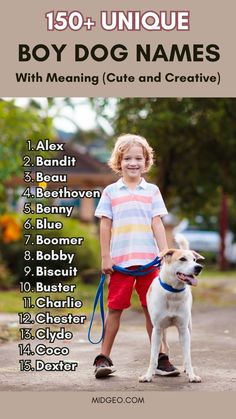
column 197, row 269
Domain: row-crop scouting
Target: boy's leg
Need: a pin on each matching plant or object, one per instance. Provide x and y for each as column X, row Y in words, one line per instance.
column 120, row 288
column 148, row 322
column 103, row 362
column 112, row 324
column 119, row 293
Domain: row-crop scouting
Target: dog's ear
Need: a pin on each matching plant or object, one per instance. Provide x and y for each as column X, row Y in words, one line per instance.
column 167, row 254
column 197, row 255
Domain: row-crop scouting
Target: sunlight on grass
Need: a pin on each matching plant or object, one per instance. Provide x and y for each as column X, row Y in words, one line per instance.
column 213, row 286
column 11, row 301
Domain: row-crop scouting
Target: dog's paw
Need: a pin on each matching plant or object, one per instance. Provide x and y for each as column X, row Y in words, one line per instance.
column 195, row 379
column 145, row 379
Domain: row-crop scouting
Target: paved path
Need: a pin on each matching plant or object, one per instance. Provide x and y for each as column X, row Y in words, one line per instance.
column 213, row 354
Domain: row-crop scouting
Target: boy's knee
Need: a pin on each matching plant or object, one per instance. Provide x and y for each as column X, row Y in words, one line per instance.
column 115, row 313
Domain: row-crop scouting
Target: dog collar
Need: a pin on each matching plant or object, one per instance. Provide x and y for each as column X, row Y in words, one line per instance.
column 169, row 287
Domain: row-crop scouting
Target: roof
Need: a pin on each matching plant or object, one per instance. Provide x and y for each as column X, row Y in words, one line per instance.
column 85, row 162
column 87, row 171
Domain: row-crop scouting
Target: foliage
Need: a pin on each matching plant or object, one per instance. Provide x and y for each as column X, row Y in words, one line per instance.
column 10, row 231
column 7, row 280
column 87, row 256
column 195, row 147
column 16, row 126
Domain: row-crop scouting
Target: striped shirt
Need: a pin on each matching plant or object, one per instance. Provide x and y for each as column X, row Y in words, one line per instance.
column 131, row 212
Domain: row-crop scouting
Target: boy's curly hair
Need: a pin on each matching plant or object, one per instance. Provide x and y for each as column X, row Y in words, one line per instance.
column 123, row 143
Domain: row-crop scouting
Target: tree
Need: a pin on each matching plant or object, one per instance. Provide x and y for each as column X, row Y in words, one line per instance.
column 16, row 126
column 195, row 146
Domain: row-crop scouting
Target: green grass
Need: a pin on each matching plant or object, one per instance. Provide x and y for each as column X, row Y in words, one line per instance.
column 216, row 289
column 212, row 286
column 11, row 301
column 214, row 273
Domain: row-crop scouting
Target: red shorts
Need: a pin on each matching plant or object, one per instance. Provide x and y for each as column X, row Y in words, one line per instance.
column 120, row 288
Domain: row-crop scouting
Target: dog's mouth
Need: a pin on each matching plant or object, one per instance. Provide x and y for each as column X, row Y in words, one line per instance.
column 187, row 279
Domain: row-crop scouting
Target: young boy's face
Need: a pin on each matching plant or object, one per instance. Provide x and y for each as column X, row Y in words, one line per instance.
column 133, row 163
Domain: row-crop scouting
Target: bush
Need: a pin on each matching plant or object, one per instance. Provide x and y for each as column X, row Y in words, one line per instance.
column 6, row 278
column 87, row 256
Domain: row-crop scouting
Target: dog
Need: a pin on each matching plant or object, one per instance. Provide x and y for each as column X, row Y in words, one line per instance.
column 169, row 302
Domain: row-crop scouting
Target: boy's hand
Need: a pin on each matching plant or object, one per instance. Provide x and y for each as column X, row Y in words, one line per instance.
column 107, row 265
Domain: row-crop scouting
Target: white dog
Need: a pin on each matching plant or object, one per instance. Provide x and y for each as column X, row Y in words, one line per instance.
column 169, row 302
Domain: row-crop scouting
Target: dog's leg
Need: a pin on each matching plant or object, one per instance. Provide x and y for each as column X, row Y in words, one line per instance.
column 190, row 332
column 155, row 346
column 190, row 326
column 184, row 336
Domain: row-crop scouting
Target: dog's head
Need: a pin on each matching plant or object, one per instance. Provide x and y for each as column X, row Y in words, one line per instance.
column 182, row 264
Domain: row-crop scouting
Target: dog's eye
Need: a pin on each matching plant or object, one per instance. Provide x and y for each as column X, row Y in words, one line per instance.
column 183, row 259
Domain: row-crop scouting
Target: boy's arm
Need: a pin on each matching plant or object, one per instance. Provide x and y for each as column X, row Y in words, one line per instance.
column 105, row 240
column 159, row 233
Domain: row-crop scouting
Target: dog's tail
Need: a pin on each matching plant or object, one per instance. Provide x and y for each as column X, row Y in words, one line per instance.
column 181, row 241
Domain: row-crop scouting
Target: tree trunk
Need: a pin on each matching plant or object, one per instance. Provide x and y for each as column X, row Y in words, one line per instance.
column 223, row 230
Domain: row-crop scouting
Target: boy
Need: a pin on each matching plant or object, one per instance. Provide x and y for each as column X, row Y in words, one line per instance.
column 130, row 231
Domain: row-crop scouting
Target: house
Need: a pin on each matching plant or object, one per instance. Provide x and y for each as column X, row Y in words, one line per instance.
column 86, row 174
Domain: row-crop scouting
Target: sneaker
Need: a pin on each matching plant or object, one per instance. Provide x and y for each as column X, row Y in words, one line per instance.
column 103, row 366
column 164, row 367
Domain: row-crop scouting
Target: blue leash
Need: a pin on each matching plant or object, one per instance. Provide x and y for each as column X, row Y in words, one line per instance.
column 140, row 271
